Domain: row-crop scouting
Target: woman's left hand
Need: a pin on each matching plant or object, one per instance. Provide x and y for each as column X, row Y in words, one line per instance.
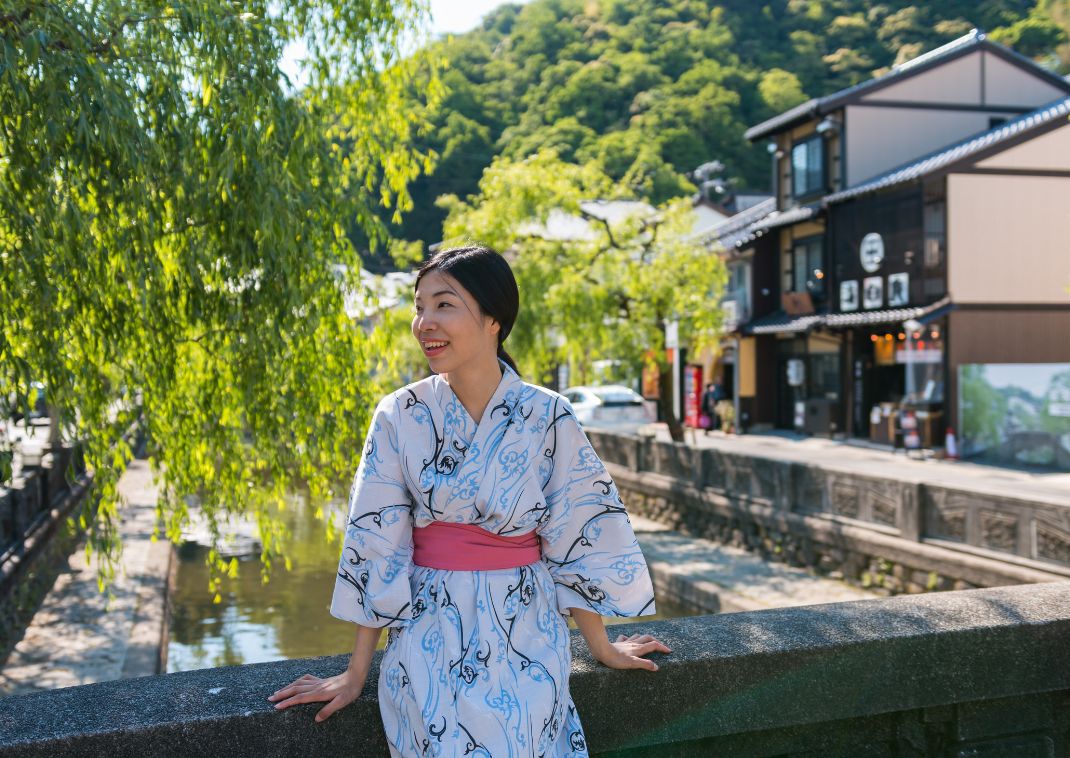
column 627, row 652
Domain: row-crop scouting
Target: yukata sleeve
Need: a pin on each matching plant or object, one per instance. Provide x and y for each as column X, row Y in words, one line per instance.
column 372, row 585
column 587, row 539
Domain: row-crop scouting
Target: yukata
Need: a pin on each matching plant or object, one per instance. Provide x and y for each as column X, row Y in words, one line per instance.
column 477, row 662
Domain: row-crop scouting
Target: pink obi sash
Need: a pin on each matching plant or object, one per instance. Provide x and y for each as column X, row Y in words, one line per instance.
column 467, row 547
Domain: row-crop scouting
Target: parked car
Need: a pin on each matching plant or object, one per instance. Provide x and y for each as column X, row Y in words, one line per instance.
column 609, row 405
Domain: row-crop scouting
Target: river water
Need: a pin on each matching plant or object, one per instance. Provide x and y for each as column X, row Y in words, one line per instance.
column 287, row 618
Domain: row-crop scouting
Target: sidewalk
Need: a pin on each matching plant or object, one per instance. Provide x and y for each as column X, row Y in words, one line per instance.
column 719, row 578
column 1047, row 487
column 75, row 637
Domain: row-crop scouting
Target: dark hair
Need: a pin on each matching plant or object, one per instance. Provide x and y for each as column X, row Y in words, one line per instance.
column 486, row 274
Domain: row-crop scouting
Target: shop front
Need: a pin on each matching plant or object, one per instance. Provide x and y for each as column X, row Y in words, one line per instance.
column 898, row 371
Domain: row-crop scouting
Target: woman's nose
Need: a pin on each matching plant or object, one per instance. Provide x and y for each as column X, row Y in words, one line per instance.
column 423, row 323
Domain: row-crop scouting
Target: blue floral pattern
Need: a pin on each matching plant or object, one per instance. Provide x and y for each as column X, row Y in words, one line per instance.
column 477, row 662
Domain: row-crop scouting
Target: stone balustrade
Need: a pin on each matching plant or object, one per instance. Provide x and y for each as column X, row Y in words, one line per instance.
column 895, row 534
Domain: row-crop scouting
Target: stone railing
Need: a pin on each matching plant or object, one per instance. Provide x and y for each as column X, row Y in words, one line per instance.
column 975, row 672
column 34, row 540
column 898, row 535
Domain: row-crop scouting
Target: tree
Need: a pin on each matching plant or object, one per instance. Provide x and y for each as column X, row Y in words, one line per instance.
column 607, row 294
column 171, row 218
column 781, row 90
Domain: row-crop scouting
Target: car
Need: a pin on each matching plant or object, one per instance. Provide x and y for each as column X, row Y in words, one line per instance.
column 609, row 405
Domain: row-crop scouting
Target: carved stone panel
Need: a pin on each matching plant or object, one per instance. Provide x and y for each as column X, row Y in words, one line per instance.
column 1053, row 542
column 764, row 478
column 945, row 517
column 846, row 498
column 999, row 531
column 673, row 460
column 738, row 475
column 810, row 487
column 883, row 506
column 713, row 469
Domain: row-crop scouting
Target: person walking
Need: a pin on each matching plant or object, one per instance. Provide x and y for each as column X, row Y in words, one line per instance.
column 710, row 397
column 479, row 518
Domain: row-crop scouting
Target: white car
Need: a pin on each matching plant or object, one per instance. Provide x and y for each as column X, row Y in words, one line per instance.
column 609, row 405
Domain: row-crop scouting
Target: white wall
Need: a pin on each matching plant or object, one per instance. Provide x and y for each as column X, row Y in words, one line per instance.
column 1048, row 152
column 957, row 81
column 1008, row 239
column 1006, row 84
column 879, row 139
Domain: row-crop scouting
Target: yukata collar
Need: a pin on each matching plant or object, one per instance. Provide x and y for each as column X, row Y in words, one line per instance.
column 501, row 404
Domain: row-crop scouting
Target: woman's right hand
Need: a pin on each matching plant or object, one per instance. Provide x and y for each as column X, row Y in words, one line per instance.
column 338, row 691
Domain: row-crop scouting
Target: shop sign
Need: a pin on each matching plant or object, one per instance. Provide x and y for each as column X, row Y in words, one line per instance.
column 796, row 372
column 919, row 356
column 871, row 252
column 872, row 292
column 849, row 295
column 672, row 334
column 898, row 289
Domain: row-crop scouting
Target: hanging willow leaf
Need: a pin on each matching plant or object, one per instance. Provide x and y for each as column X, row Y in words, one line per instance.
column 166, row 246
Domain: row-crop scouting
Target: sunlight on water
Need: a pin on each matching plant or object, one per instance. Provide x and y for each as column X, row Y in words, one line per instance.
column 286, row 618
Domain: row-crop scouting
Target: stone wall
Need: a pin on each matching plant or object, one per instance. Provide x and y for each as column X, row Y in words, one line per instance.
column 891, row 535
column 35, row 536
column 971, row 673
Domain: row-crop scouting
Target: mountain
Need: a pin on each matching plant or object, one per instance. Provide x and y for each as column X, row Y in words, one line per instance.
column 653, row 89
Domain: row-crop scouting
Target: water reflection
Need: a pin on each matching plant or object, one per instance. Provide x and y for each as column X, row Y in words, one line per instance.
column 287, row 618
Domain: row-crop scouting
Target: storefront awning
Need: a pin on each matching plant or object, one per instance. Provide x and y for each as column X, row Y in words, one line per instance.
column 923, row 314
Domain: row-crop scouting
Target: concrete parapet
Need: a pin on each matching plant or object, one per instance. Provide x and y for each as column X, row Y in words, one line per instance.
column 977, row 672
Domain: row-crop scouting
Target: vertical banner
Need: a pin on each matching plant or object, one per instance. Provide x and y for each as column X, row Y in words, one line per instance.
column 692, row 394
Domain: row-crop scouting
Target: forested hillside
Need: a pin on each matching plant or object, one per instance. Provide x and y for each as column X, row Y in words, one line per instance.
column 651, row 89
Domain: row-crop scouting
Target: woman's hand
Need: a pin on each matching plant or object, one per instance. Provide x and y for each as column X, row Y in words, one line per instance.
column 338, row 691
column 627, row 652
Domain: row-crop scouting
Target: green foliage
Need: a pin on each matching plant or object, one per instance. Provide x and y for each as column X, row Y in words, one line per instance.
column 981, row 407
column 781, row 90
column 603, row 295
column 654, row 88
column 170, row 218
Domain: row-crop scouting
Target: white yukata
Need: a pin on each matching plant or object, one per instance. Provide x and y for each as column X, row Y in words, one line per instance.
column 477, row 662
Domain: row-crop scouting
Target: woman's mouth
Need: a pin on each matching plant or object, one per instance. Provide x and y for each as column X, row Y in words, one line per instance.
column 434, row 347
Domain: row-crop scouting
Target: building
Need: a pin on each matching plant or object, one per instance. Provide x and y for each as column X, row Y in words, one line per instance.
column 930, row 196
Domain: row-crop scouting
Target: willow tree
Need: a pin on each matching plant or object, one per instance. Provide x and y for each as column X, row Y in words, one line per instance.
column 172, row 219
column 606, row 289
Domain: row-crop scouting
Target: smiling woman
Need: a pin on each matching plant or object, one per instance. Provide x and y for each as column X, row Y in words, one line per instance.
column 480, row 518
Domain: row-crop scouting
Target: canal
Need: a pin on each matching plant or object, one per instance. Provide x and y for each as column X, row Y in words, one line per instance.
column 287, row 618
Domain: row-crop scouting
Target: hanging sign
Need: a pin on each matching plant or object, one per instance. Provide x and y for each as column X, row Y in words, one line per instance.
column 871, row 252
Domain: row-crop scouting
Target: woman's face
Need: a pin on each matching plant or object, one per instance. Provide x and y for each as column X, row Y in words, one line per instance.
column 449, row 326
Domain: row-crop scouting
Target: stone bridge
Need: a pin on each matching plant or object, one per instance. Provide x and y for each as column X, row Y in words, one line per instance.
column 981, row 672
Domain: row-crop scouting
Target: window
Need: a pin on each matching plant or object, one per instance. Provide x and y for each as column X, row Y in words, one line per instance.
column 935, row 235
column 808, row 166
column 807, row 268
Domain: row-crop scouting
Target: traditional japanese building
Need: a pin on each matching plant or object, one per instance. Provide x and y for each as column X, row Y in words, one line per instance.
column 933, row 197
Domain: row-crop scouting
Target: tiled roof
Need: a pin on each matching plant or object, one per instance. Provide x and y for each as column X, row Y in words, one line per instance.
column 959, row 152
column 961, row 46
column 734, row 227
column 784, row 218
column 889, row 316
column 780, row 322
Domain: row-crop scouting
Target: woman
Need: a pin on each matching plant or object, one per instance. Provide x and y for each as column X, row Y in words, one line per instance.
column 479, row 517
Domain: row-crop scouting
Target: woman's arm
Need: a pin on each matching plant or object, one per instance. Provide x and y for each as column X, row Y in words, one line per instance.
column 625, row 653
column 593, row 630
column 340, row 690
